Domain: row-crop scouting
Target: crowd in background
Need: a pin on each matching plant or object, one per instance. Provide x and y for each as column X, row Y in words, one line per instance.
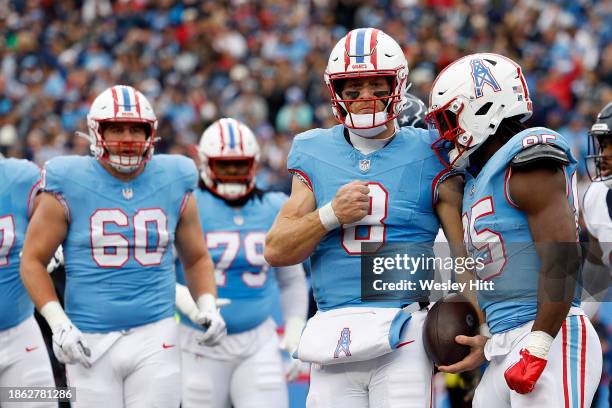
column 263, row 61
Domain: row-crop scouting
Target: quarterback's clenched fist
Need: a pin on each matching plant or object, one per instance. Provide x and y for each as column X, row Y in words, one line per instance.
column 352, row 202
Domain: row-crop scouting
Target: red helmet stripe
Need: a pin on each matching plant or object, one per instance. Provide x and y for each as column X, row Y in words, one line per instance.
column 136, row 100
column 347, row 51
column 373, row 47
column 221, row 135
column 115, row 100
column 525, row 89
column 240, row 136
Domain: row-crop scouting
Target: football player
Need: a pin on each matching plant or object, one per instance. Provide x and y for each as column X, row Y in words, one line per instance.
column 519, row 215
column 117, row 215
column 597, row 211
column 247, row 368
column 414, row 113
column 24, row 361
column 357, row 187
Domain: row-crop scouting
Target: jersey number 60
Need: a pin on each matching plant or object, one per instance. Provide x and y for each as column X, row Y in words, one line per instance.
column 112, row 250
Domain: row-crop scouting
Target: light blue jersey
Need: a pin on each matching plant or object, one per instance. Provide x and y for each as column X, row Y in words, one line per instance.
column 18, row 185
column 117, row 252
column 494, row 224
column 235, row 237
column 403, row 178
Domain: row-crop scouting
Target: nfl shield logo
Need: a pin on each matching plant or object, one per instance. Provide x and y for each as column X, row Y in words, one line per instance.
column 364, row 165
column 127, row 193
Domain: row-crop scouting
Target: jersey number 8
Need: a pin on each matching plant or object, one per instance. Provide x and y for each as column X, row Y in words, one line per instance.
column 369, row 229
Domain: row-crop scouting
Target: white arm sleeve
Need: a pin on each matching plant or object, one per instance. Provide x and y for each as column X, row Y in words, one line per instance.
column 185, row 303
column 293, row 291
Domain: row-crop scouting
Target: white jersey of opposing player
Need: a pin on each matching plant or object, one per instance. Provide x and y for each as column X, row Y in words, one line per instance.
column 598, row 218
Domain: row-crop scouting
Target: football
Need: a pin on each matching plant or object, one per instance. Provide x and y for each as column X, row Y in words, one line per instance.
column 449, row 317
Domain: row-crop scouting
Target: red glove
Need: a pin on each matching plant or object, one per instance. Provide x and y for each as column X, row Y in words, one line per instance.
column 522, row 376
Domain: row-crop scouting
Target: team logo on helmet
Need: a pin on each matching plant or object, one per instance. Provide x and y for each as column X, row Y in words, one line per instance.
column 482, row 76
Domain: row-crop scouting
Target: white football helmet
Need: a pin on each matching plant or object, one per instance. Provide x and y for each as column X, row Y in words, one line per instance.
column 471, row 97
column 223, row 141
column 367, row 52
column 121, row 103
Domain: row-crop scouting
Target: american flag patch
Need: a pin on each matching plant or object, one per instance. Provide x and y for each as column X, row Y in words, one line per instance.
column 518, row 89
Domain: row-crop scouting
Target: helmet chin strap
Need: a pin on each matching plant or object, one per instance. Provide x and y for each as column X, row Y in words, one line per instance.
column 364, row 120
column 459, row 161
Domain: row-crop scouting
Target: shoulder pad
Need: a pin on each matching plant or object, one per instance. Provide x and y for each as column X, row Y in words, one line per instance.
column 541, row 151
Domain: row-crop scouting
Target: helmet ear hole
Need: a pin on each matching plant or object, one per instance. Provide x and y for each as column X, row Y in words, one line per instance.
column 484, row 109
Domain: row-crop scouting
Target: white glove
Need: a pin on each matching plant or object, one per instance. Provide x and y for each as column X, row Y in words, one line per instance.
column 56, row 261
column 69, row 344
column 210, row 318
column 293, row 331
column 187, row 306
column 290, row 341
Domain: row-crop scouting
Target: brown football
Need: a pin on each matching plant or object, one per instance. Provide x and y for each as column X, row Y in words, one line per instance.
column 449, row 317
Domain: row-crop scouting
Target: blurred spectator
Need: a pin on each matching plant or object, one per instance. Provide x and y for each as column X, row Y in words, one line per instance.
column 296, row 115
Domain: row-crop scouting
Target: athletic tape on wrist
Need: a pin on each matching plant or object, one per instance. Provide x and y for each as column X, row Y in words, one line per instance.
column 328, row 217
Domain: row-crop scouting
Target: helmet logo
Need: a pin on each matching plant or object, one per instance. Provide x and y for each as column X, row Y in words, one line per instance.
column 482, row 76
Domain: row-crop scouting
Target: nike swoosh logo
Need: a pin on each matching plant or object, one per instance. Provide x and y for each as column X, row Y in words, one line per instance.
column 167, row 346
column 29, row 349
column 404, row 343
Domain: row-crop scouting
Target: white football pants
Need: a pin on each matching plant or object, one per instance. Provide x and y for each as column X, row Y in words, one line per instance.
column 399, row 379
column 245, row 370
column 140, row 369
column 570, row 378
column 24, row 361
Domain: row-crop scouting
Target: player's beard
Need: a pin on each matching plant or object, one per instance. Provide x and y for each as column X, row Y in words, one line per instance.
column 361, row 121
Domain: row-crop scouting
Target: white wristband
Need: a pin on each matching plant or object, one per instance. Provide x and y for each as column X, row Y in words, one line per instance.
column 538, row 343
column 207, row 303
column 328, row 217
column 54, row 315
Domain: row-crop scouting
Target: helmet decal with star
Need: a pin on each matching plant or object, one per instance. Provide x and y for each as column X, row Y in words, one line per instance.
column 600, row 137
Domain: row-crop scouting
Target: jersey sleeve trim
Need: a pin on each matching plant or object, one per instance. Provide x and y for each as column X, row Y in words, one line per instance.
column 507, row 187
column 184, row 203
column 33, row 192
column 435, row 184
column 64, row 204
column 303, row 177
